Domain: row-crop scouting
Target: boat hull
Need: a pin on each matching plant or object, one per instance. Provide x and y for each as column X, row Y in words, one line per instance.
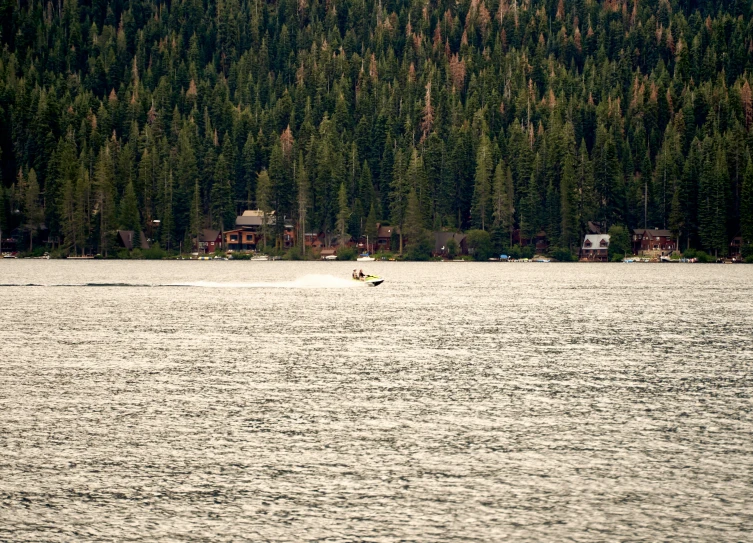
column 371, row 281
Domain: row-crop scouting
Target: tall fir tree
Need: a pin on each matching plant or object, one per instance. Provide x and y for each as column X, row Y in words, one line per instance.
column 481, row 207
column 129, row 217
column 343, row 215
column 746, row 207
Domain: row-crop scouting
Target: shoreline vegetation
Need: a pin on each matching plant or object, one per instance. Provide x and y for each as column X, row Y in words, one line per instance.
column 514, row 254
column 509, row 118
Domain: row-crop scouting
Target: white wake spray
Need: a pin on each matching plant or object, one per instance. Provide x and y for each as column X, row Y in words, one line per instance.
column 305, row 282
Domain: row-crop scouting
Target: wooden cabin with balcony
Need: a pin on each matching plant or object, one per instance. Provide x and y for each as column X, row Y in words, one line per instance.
column 595, row 248
column 647, row 240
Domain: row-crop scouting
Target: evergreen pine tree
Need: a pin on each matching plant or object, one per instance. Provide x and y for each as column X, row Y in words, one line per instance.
column 481, row 207
column 129, row 217
column 195, row 215
column 105, row 197
column 746, row 207
column 223, row 209
column 371, row 229
column 399, row 191
column 32, row 209
column 264, row 201
column 302, row 186
column 503, row 200
column 343, row 215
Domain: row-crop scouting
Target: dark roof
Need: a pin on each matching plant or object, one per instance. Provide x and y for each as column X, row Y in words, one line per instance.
column 386, row 231
column 126, row 239
column 442, row 238
column 254, row 217
column 654, row 232
column 594, row 228
column 209, row 235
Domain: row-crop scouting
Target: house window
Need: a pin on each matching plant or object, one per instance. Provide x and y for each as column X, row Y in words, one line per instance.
column 588, row 243
column 249, row 238
column 604, row 243
column 233, row 237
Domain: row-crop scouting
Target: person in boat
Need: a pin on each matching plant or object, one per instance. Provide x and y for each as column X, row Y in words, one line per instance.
column 361, row 275
column 354, row 275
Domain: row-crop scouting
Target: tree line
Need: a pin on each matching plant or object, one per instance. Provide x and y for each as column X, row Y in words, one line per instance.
column 500, row 115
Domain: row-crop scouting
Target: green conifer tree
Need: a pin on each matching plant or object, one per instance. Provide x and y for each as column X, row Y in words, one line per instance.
column 481, row 207
column 264, row 201
column 223, row 209
column 343, row 215
column 129, row 217
column 746, row 207
column 105, row 199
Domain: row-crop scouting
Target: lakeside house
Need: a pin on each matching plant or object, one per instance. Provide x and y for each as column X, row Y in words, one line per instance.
column 441, row 239
column 239, row 239
column 209, row 241
column 735, row 247
column 384, row 237
column 248, row 234
column 657, row 240
column 128, row 239
column 595, row 248
column 314, row 240
column 539, row 241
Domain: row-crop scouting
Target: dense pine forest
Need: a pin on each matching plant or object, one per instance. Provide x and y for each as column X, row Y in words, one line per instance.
column 501, row 115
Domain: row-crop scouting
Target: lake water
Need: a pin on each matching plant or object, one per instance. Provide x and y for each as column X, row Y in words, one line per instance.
column 279, row 401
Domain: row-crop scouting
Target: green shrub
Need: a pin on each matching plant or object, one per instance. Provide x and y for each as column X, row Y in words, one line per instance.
column 394, row 241
column 700, row 255
column 479, row 244
column 123, row 254
column 346, row 253
column 154, row 253
column 619, row 242
column 452, row 249
column 746, row 251
column 420, row 249
column 241, row 256
column 562, row 254
column 294, row 253
column 749, row 259
column 517, row 252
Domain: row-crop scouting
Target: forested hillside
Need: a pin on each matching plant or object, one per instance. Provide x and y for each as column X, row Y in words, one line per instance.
column 491, row 114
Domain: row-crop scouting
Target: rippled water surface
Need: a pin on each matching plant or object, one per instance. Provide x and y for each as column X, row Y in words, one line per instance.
column 275, row 401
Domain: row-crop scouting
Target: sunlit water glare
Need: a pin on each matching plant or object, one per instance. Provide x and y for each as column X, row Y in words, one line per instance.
column 281, row 401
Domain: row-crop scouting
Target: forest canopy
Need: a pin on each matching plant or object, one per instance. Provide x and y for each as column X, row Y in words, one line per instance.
column 496, row 115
